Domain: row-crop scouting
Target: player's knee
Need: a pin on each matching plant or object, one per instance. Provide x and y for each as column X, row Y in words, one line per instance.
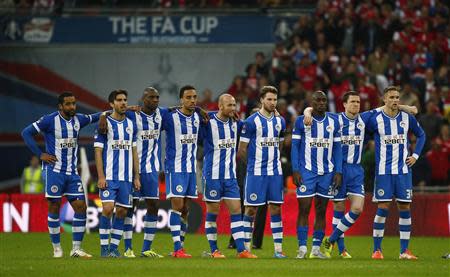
column 357, row 209
column 339, row 206
column 79, row 207
column 121, row 212
column 107, row 211
column 53, row 206
column 404, row 206
column 250, row 211
column 275, row 209
column 213, row 207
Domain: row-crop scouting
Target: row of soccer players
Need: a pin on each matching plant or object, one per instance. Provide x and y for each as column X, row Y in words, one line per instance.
column 325, row 147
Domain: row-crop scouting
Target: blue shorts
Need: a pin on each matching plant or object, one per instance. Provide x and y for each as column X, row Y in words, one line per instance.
column 59, row 184
column 216, row 190
column 352, row 182
column 260, row 190
column 181, row 185
column 389, row 186
column 149, row 186
column 118, row 192
column 313, row 184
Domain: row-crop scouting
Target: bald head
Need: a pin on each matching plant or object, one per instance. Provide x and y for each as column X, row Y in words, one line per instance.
column 150, row 98
column 225, row 98
column 227, row 105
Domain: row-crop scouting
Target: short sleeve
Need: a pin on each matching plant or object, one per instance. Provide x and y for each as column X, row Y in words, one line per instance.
column 296, row 133
column 42, row 124
column 247, row 132
column 100, row 140
column 84, row 119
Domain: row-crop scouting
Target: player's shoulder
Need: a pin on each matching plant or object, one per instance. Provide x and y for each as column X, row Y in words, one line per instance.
column 331, row 115
column 48, row 117
column 82, row 116
column 251, row 118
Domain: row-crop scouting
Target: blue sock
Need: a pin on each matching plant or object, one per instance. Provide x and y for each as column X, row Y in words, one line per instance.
column 78, row 229
column 302, row 235
column 318, row 237
column 404, row 226
column 378, row 228
column 116, row 233
column 150, row 222
column 104, row 229
column 237, row 231
column 128, row 229
column 248, row 229
column 346, row 222
column 53, row 229
column 183, row 230
column 211, row 230
column 277, row 232
column 175, row 229
column 337, row 216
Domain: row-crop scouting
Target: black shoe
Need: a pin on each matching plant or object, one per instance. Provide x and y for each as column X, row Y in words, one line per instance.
column 231, row 246
column 256, row 247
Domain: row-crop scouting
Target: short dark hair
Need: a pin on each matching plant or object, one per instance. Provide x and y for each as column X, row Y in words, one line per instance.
column 112, row 96
column 348, row 94
column 184, row 88
column 389, row 88
column 267, row 89
column 150, row 89
column 63, row 95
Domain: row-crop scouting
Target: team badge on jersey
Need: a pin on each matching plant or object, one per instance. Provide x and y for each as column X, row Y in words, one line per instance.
column 213, row 193
column 179, row 188
column 244, row 128
column 302, row 188
column 253, row 197
column 105, row 193
column 380, row 192
column 278, row 127
column 360, row 126
column 234, row 128
column 157, row 119
column 329, row 128
column 76, row 126
column 196, row 122
column 54, row 189
column 402, row 124
column 128, row 130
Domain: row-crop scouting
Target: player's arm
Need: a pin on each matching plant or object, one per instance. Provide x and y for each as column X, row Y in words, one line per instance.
column 28, row 135
column 282, row 133
column 420, row 143
column 408, row 109
column 307, row 120
column 295, row 151
column 99, row 144
column 337, row 156
column 248, row 131
column 136, row 176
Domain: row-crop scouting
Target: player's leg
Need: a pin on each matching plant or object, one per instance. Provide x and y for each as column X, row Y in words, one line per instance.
column 212, row 210
column 304, row 207
column 403, row 195
column 338, row 214
column 383, row 196
column 54, row 185
column 150, row 222
column 128, row 229
column 320, row 204
column 275, row 199
column 104, row 228
column 254, row 196
column 184, row 220
column 78, row 227
column 339, row 209
column 191, row 193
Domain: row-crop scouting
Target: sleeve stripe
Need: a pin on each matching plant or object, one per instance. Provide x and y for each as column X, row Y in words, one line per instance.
column 281, row 139
column 98, row 144
column 90, row 118
column 36, row 127
column 415, row 156
column 296, row 137
column 243, row 139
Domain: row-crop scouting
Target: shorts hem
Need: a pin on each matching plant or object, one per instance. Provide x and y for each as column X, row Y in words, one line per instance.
column 254, row 205
column 124, row 205
column 275, row 202
column 306, row 196
column 324, row 196
column 356, row 194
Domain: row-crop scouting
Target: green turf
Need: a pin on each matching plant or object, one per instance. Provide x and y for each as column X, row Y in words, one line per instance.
column 30, row 254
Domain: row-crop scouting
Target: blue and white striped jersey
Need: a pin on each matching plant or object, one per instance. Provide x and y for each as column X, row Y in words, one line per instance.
column 220, row 145
column 117, row 147
column 391, row 141
column 263, row 136
column 148, row 139
column 317, row 147
column 61, row 139
column 181, row 141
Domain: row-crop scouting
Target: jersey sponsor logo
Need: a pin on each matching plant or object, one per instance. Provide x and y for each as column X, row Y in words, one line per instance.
column 213, row 193
column 105, row 193
column 320, row 143
column 121, row 145
column 188, row 139
column 76, row 127
column 66, row 143
column 253, row 197
column 302, row 188
column 54, row 189
column 351, row 140
column 269, row 142
column 226, row 143
column 380, row 192
column 179, row 188
column 393, row 139
column 149, row 134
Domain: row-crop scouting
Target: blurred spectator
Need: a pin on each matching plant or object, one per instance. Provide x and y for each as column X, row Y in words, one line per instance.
column 262, row 67
column 32, row 181
column 237, row 87
column 438, row 157
column 368, row 163
column 409, row 97
column 207, row 102
column 378, row 62
column 431, row 123
column 285, row 72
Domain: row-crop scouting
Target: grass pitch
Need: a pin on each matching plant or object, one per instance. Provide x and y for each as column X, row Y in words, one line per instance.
column 31, row 255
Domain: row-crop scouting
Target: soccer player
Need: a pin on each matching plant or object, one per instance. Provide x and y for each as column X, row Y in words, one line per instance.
column 262, row 137
column 316, row 156
column 219, row 174
column 61, row 130
column 182, row 127
column 393, row 173
column 117, row 167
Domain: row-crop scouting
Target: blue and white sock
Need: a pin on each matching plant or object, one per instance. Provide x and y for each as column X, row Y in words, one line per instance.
column 128, row 229
column 337, row 216
column 237, row 231
column 150, row 222
column 404, row 226
column 78, row 229
column 116, row 232
column 183, row 231
column 211, row 230
column 317, row 239
column 104, row 229
column 248, row 230
column 344, row 224
column 302, row 236
column 378, row 228
column 277, row 232
column 175, row 229
column 53, row 229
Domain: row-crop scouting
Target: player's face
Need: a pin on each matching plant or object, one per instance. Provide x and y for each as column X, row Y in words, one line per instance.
column 189, row 99
column 69, row 106
column 120, row 104
column 353, row 104
column 228, row 106
column 151, row 100
column 319, row 102
column 392, row 99
column 269, row 102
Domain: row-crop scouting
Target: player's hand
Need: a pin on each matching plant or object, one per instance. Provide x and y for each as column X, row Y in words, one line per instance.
column 297, row 178
column 307, row 120
column 102, row 125
column 102, row 183
column 413, row 110
column 235, row 116
column 48, row 158
column 137, row 184
column 337, row 181
column 204, row 115
column 134, row 108
column 276, row 113
column 410, row 161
